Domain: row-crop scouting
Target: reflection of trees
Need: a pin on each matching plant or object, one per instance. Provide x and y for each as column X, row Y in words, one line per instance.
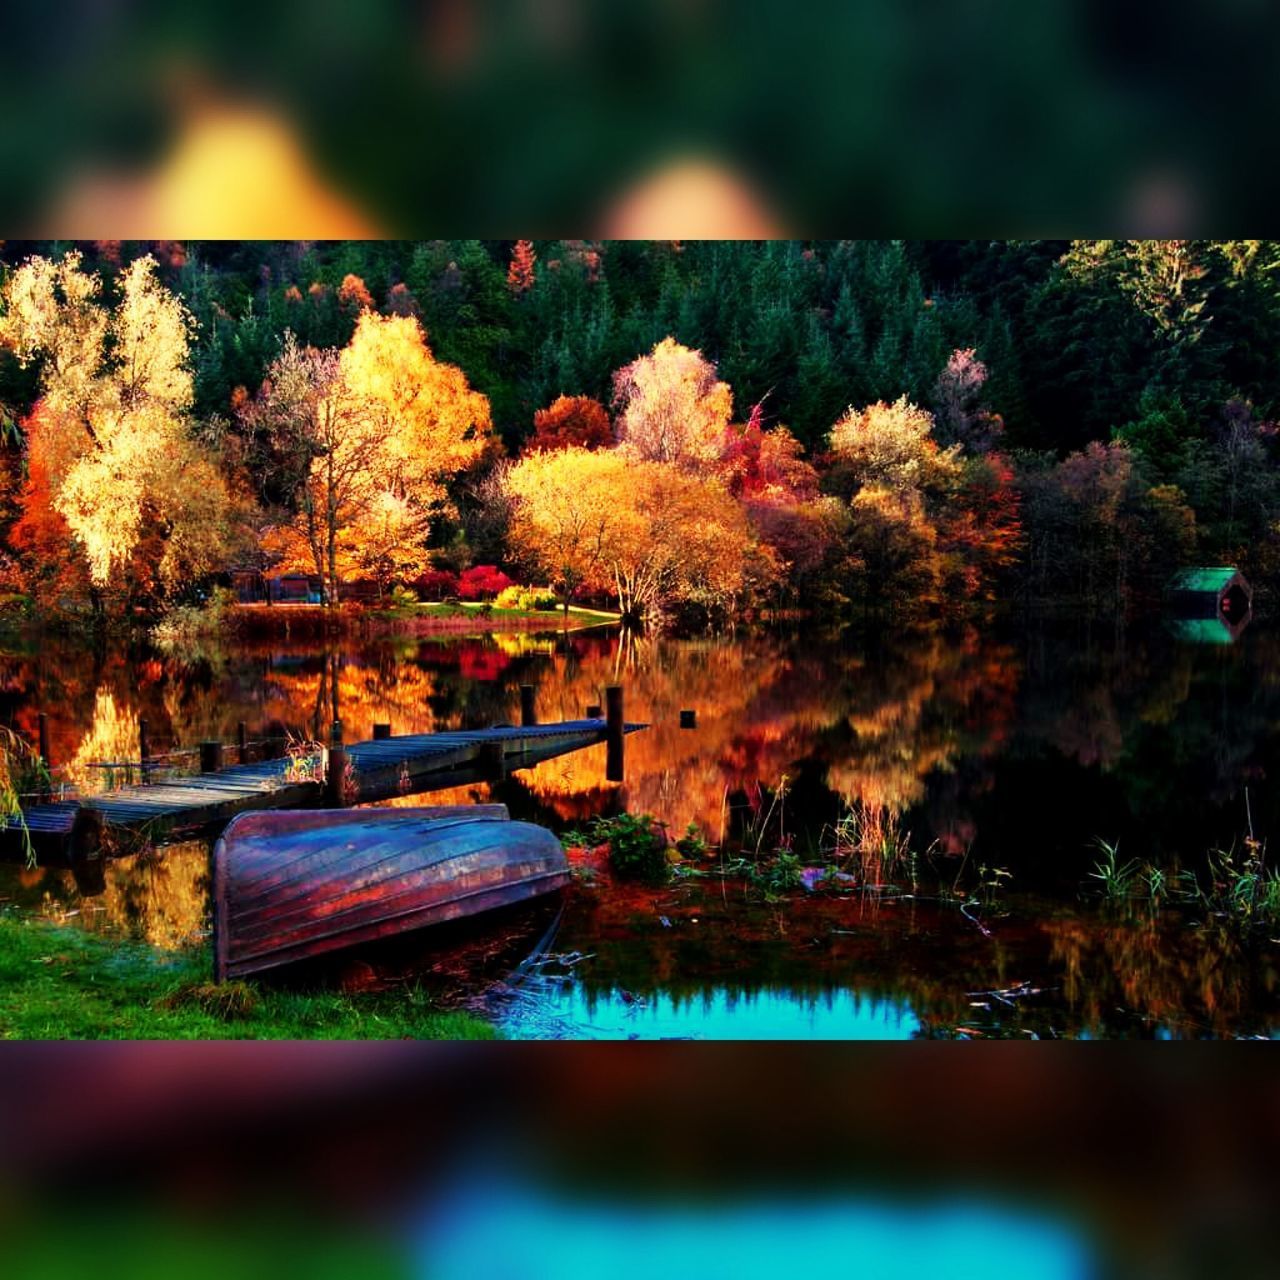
column 1158, row 968
column 160, row 898
column 112, row 736
column 914, row 713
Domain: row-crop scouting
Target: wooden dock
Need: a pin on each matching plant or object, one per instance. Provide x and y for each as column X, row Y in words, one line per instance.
column 379, row 769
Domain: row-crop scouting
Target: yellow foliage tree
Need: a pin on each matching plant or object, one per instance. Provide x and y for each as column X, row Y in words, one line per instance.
column 892, row 445
column 430, row 420
column 671, row 406
column 566, row 513
column 117, row 391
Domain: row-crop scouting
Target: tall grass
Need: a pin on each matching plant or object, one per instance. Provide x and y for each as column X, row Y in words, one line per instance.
column 1234, row 884
column 872, row 843
column 23, row 776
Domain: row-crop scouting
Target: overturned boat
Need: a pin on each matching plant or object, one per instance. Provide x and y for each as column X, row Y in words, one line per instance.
column 290, row 885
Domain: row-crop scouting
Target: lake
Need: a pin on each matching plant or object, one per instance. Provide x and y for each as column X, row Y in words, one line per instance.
column 1004, row 754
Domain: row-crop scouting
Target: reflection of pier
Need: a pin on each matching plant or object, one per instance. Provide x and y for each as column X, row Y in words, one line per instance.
column 357, row 773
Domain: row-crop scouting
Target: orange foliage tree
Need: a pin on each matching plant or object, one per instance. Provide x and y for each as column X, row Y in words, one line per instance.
column 520, row 274
column 571, row 421
column 353, row 294
column 652, row 534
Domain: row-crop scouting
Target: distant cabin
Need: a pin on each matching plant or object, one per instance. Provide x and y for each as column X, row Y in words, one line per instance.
column 253, row 587
column 1220, row 594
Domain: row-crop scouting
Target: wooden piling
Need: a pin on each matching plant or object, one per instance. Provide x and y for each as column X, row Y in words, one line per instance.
column 44, row 741
column 242, row 740
column 493, row 762
column 688, row 719
column 528, row 715
column 381, row 731
column 334, row 779
column 593, row 711
column 336, row 776
column 615, row 732
column 210, row 757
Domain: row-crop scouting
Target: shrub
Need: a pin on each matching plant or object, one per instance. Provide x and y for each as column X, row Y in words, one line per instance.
column 482, row 582
column 638, row 848
column 526, row 598
column 436, row 584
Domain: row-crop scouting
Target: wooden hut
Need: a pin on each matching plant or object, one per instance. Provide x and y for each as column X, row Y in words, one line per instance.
column 1219, row 595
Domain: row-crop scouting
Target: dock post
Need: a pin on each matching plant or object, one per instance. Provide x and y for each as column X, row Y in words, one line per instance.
column 528, row 715
column 336, row 776
column 210, row 757
column 242, row 740
column 144, row 747
column 688, row 719
column 381, row 731
column 615, row 731
column 44, row 740
column 493, row 762
column 593, row 711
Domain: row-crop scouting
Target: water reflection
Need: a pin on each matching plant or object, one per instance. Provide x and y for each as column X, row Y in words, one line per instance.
column 490, row 1227
column 576, row 1012
column 1014, row 750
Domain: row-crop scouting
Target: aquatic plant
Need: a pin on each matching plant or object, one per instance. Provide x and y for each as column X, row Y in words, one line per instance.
column 1234, row 885
column 637, row 844
column 1116, row 878
column 873, row 843
column 693, row 844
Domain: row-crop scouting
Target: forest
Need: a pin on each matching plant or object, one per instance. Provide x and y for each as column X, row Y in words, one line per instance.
column 687, row 432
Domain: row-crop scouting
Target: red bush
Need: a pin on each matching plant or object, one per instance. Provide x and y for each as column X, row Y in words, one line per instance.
column 482, row 582
column 435, row 584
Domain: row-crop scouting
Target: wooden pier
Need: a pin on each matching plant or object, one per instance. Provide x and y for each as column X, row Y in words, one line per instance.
column 357, row 773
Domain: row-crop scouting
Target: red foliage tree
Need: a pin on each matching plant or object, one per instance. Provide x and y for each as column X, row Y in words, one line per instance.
column 436, row 584
column 570, row 421
column 482, row 582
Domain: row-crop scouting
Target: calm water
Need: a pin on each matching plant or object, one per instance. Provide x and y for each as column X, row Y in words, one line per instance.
column 1013, row 751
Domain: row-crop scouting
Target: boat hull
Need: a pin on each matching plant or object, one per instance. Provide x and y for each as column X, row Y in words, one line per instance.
column 289, row 886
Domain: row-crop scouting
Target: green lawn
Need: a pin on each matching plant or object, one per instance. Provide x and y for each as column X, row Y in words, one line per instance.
column 63, row 983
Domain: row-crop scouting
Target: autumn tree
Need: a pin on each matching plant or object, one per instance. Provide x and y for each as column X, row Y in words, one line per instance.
column 682, row 539
column 305, row 397
column 898, row 481
column 892, row 446
column 571, row 422
column 520, row 274
column 354, row 295
column 120, row 463
column 961, row 415
column 384, row 424
column 432, row 424
column 671, row 406
column 565, row 515
column 779, row 490
column 652, row 535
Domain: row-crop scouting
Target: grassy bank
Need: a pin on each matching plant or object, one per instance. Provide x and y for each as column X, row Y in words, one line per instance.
column 304, row 621
column 60, row 983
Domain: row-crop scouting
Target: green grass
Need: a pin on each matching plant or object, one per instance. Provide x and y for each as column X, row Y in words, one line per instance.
column 63, row 983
